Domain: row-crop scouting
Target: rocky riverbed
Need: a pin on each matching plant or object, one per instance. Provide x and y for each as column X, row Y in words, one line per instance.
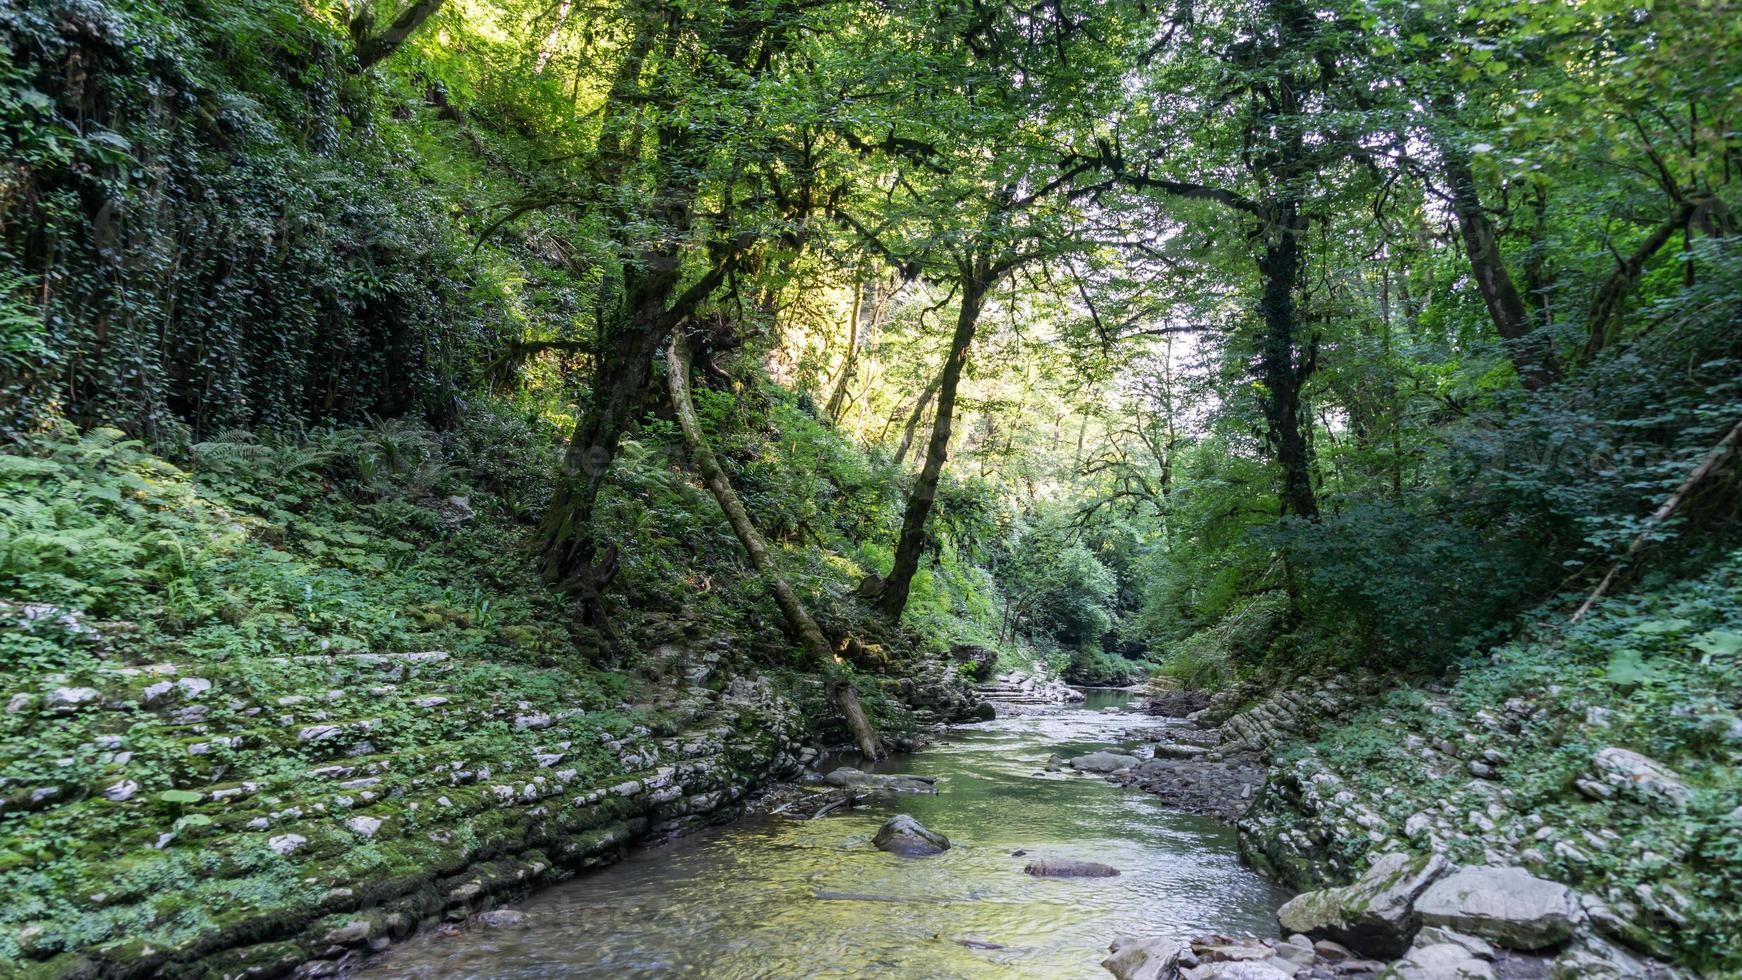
column 1026, row 886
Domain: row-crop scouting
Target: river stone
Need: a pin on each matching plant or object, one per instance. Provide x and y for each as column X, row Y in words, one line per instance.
column 1440, row 961
column 1374, row 914
column 903, row 835
column 1067, row 868
column 1243, row 970
column 1178, row 750
column 849, row 778
column 1508, row 905
column 1142, row 959
column 1104, row 762
column 501, row 919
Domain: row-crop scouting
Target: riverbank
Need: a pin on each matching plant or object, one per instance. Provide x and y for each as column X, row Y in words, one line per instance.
column 1562, row 769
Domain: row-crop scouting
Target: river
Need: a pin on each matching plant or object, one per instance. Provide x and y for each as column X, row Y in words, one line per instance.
column 777, row 898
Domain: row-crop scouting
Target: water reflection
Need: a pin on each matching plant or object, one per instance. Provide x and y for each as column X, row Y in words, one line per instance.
column 776, row 898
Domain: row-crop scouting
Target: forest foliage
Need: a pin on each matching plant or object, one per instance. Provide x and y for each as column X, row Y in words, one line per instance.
column 1221, row 337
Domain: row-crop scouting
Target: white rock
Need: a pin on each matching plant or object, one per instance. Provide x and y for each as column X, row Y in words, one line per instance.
column 1624, row 767
column 365, row 826
column 121, row 791
column 72, row 697
column 286, row 843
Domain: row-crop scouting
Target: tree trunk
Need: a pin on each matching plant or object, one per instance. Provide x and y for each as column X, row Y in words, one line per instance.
column 372, row 49
column 913, row 418
column 1282, row 373
column 1532, row 357
column 1604, row 321
column 839, row 688
column 838, row 399
column 892, row 599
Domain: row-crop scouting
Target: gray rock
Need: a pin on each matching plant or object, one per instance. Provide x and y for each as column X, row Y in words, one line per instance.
column 501, row 919
column 364, row 826
column 1591, row 958
column 1373, row 915
column 1436, row 935
column 1142, row 959
column 1066, row 868
column 849, row 778
column 903, row 835
column 353, row 933
column 1178, row 750
column 286, row 843
column 1104, row 762
column 68, row 698
column 1243, row 970
column 1645, row 776
column 1296, row 954
column 1508, row 905
column 1441, row 961
column 121, row 791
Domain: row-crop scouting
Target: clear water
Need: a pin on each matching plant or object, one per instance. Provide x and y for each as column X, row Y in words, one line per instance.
column 768, row 897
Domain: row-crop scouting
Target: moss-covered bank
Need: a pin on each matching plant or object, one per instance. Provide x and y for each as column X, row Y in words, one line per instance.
column 290, row 699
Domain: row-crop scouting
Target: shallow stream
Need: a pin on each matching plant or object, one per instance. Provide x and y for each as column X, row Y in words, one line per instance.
column 770, row 897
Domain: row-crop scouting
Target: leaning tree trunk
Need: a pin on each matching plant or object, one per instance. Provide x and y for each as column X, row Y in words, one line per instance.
column 892, row 597
column 1533, row 357
column 373, row 48
column 810, row 635
column 913, row 420
column 838, row 400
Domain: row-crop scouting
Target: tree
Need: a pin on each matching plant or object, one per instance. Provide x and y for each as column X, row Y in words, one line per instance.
column 839, row 687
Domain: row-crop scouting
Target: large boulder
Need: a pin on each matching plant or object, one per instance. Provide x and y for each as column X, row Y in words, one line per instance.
column 1508, row 905
column 1104, row 762
column 1373, row 915
column 1142, row 959
column 847, row 777
column 903, row 835
column 1067, row 868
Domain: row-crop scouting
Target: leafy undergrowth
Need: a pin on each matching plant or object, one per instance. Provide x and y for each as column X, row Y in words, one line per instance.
column 1659, row 673
column 187, row 652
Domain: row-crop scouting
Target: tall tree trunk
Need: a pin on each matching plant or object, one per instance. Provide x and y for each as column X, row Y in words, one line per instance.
column 892, row 599
column 810, row 635
column 1281, row 371
column 620, row 379
column 1533, row 357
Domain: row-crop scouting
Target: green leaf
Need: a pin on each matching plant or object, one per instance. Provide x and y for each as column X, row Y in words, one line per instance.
column 179, row 796
column 1658, row 627
column 1719, row 643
